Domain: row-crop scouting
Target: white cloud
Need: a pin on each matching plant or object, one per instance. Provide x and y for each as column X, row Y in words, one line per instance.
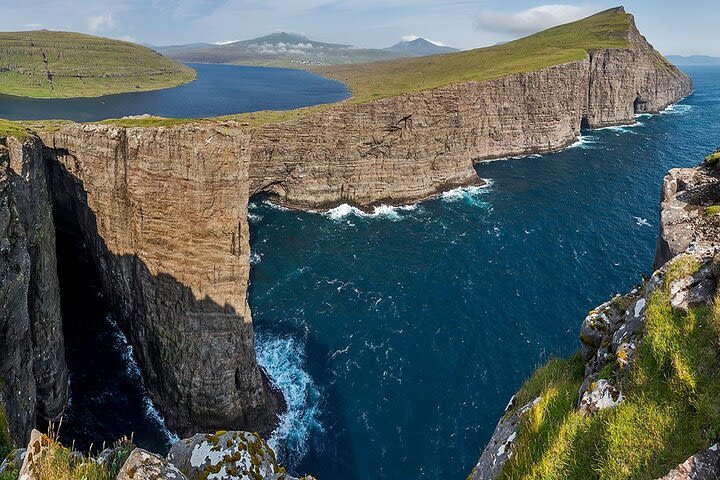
column 33, row 26
column 531, row 20
column 410, row 38
column 101, row 22
column 226, row 42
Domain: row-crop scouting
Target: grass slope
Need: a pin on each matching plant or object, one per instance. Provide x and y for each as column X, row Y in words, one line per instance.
column 557, row 45
column 48, row 64
column 671, row 408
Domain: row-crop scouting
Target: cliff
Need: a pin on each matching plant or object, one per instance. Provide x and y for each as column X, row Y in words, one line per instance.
column 163, row 213
column 640, row 397
column 163, row 209
column 411, row 146
column 32, row 365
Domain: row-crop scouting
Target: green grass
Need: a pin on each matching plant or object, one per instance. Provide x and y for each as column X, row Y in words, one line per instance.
column 712, row 210
column 713, row 158
column 48, row 64
column 12, row 129
column 562, row 44
column 671, row 408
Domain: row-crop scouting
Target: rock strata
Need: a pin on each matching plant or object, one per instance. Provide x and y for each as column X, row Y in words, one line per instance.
column 163, row 214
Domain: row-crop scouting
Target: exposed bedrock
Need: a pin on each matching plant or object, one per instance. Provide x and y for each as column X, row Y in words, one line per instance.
column 163, row 213
column 163, row 209
column 33, row 372
column 410, row 147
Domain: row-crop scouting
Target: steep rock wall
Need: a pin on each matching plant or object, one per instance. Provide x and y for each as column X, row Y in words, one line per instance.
column 412, row 146
column 164, row 215
column 33, row 372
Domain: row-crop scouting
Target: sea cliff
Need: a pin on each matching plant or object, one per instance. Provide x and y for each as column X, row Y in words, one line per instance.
column 639, row 399
column 162, row 211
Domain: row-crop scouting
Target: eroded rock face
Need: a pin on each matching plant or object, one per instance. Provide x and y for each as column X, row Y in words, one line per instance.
column 410, row 147
column 32, row 364
column 143, row 465
column 500, row 448
column 684, row 223
column 163, row 213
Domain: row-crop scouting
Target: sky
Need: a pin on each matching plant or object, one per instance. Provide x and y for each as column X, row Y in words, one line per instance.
column 686, row 27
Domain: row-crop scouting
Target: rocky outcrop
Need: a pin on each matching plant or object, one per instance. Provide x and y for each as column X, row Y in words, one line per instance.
column 701, row 466
column 690, row 271
column 227, row 455
column 684, row 222
column 33, row 372
column 163, row 213
column 144, row 465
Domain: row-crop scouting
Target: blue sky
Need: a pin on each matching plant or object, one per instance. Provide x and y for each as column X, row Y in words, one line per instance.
column 674, row 27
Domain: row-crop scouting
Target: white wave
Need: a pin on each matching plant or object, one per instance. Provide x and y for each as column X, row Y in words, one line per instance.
column 640, row 222
column 255, row 258
column 276, row 206
column 584, row 142
column 468, row 194
column 677, row 109
column 381, row 211
column 133, row 371
column 254, row 217
column 623, row 128
column 283, row 359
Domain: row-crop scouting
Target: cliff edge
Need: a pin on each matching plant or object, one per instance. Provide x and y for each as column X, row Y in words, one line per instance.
column 640, row 398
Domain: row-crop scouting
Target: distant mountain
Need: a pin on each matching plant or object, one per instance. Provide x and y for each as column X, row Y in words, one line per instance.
column 419, row 48
column 277, row 49
column 693, row 60
column 288, row 49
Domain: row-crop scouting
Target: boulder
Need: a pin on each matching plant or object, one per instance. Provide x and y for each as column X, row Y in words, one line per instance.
column 224, row 456
column 143, row 465
column 37, row 447
column 600, row 395
column 701, row 466
column 693, row 290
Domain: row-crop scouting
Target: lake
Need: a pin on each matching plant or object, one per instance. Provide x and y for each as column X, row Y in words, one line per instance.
column 218, row 90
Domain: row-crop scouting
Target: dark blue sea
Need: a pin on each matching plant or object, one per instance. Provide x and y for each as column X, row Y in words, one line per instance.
column 218, row 90
column 398, row 337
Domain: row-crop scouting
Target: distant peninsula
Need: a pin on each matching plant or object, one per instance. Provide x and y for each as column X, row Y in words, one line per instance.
column 50, row 64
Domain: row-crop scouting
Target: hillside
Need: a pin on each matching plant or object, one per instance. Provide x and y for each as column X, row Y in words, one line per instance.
column 49, row 64
column 420, row 48
column 554, row 46
column 277, row 50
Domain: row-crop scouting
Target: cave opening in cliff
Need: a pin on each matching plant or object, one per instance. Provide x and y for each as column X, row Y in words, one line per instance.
column 107, row 400
column 584, row 123
column 640, row 106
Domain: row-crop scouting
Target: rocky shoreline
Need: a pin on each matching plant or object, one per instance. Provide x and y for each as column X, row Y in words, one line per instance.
column 611, row 333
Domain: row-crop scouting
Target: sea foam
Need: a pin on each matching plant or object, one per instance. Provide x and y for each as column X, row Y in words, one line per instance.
column 283, row 359
column 133, row 371
column 381, row 211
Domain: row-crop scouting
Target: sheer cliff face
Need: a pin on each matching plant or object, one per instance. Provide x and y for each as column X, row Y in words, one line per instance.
column 163, row 209
column 164, row 215
column 409, row 147
column 32, row 363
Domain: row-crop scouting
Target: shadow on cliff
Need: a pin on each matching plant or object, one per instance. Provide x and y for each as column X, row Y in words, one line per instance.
column 197, row 357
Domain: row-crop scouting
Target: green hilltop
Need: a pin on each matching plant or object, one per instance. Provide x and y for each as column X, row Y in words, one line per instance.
column 49, row 64
column 561, row 44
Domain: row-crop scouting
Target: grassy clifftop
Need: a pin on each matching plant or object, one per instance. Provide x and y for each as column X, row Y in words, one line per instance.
column 48, row 64
column 557, row 45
